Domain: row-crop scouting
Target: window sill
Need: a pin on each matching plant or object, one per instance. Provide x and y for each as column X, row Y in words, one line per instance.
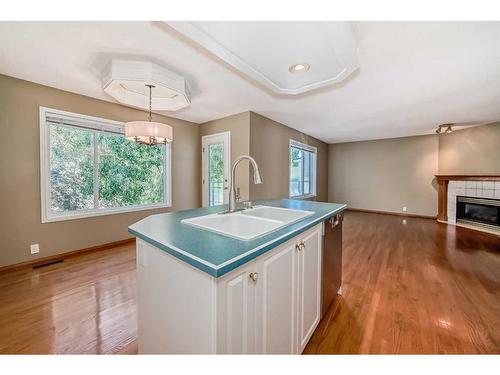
column 94, row 213
column 300, row 197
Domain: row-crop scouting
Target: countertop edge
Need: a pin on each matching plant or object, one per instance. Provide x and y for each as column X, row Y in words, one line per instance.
column 223, row 268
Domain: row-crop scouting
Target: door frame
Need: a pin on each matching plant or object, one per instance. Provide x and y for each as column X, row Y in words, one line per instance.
column 224, row 137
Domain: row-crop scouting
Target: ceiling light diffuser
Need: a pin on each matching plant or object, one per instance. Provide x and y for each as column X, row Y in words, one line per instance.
column 125, row 81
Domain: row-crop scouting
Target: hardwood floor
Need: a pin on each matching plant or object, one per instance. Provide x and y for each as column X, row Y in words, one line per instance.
column 410, row 285
column 413, row 286
column 85, row 305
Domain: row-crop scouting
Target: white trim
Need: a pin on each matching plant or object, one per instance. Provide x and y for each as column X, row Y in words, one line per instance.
column 303, row 146
column 314, row 178
column 82, row 214
column 90, row 122
column 205, row 40
column 225, row 138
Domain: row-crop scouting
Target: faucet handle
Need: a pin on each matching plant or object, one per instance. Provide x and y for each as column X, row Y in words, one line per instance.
column 238, row 196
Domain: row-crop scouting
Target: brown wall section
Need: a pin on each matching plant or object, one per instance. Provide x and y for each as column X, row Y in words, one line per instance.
column 388, row 174
column 268, row 142
column 385, row 175
column 270, row 145
column 471, row 151
column 20, row 218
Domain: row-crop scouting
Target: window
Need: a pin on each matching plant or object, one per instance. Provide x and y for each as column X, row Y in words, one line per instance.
column 88, row 168
column 302, row 170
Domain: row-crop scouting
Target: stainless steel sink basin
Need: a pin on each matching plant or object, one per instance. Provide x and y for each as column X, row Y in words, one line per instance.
column 248, row 224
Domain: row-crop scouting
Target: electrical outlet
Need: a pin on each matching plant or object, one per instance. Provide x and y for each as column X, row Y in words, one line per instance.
column 404, row 208
column 34, row 248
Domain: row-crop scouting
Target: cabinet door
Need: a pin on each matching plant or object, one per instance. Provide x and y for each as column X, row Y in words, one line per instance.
column 276, row 301
column 309, row 286
column 236, row 312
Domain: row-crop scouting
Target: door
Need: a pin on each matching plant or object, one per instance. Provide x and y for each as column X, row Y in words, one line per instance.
column 309, row 286
column 276, row 301
column 216, row 161
column 236, row 311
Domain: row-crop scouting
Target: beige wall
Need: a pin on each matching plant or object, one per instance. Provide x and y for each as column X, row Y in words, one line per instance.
column 471, row 151
column 385, row 175
column 269, row 145
column 239, row 127
column 20, row 223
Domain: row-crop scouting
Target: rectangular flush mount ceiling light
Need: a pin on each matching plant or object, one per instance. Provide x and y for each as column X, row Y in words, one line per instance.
column 287, row 57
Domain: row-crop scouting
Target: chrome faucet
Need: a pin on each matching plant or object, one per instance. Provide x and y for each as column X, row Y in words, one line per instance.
column 257, row 179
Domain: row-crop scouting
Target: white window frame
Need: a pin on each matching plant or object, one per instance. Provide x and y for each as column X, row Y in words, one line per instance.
column 309, row 148
column 89, row 121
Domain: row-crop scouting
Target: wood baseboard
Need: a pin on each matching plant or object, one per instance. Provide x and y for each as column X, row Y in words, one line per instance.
column 391, row 213
column 69, row 254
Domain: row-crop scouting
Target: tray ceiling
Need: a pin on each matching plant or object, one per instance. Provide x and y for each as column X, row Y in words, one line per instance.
column 266, row 51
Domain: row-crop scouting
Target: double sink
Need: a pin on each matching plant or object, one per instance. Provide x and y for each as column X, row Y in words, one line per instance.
column 250, row 223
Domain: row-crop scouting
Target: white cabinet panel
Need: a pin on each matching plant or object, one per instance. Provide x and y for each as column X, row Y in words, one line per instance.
column 236, row 312
column 276, row 301
column 309, row 287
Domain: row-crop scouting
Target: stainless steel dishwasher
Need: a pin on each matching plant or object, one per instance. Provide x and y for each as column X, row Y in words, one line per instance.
column 332, row 260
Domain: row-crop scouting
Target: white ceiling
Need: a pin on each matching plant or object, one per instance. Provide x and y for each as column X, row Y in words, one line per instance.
column 412, row 76
column 264, row 51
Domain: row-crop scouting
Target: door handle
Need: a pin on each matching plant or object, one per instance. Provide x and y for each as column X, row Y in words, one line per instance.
column 254, row 276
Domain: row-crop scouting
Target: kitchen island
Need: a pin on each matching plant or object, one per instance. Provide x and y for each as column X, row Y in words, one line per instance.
column 206, row 292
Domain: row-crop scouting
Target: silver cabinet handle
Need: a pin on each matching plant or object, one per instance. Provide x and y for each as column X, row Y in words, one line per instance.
column 335, row 220
column 300, row 246
column 254, row 276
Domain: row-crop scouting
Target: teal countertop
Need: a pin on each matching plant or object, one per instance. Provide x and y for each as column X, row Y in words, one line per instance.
column 217, row 254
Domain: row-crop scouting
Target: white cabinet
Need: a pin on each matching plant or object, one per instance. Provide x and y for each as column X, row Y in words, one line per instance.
column 272, row 305
column 309, row 287
column 269, row 305
column 236, row 311
column 276, row 301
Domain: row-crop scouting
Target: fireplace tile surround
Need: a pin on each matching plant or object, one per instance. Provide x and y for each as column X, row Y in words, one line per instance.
column 451, row 186
column 478, row 189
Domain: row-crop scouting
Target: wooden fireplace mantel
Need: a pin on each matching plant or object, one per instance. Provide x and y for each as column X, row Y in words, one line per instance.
column 467, row 177
column 443, row 181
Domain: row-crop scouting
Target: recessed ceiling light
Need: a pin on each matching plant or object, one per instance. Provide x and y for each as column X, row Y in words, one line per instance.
column 299, row 68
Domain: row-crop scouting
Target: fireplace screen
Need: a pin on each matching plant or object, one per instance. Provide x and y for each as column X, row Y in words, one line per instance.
column 479, row 211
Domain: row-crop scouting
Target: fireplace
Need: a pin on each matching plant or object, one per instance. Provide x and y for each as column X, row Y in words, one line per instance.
column 481, row 212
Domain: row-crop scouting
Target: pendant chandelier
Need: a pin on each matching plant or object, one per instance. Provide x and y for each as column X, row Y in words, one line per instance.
column 149, row 132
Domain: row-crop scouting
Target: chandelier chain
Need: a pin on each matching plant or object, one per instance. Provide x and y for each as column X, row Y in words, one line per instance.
column 150, row 117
